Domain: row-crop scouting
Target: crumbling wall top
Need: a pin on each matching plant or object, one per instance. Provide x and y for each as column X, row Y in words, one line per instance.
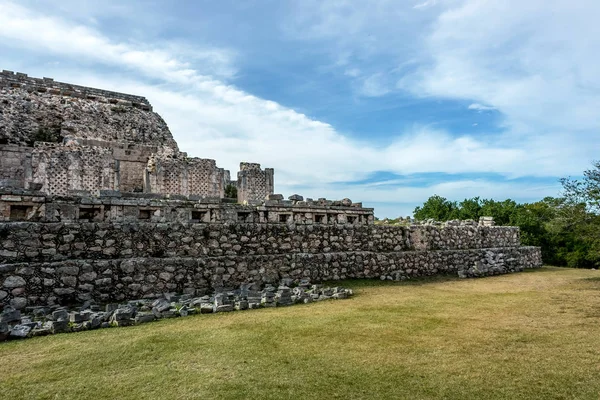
column 21, row 80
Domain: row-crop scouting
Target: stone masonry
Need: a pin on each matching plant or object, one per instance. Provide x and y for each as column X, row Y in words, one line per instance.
column 71, row 139
column 68, row 262
column 97, row 204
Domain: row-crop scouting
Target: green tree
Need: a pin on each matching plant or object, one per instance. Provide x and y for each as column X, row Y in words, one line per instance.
column 500, row 210
column 438, row 208
column 579, row 218
column 231, row 192
column 586, row 190
column 470, row 209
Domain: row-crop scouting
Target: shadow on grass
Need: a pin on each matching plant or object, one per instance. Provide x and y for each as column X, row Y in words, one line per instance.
column 425, row 280
column 418, row 281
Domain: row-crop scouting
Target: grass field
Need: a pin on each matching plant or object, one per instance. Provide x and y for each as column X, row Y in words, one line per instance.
column 522, row 336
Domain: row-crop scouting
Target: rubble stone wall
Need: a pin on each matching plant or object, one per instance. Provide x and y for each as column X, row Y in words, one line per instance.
column 20, row 80
column 42, row 110
column 15, row 166
column 68, row 262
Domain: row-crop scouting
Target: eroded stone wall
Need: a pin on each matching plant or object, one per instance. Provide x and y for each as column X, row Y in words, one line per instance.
column 15, row 166
column 63, row 262
column 253, row 183
column 186, row 176
column 42, row 110
column 61, row 170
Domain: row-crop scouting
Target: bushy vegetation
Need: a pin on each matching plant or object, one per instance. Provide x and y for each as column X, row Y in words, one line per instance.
column 231, row 192
column 566, row 228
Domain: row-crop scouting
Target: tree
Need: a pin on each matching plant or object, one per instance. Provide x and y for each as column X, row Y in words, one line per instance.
column 500, row 210
column 231, row 192
column 586, row 190
column 580, row 216
column 438, row 208
column 470, row 208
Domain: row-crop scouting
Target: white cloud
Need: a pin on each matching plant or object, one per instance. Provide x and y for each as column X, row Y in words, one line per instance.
column 425, row 4
column 48, row 34
column 374, row 86
column 533, row 62
column 480, row 107
column 353, row 72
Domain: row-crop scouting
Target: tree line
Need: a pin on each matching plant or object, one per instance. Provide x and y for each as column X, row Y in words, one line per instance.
column 567, row 228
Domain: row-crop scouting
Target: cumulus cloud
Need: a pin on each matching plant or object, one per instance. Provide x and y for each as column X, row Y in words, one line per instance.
column 532, row 62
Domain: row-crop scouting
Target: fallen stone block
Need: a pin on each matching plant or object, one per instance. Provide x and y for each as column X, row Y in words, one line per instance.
column 60, row 326
column 206, row 308
column 4, row 331
column 60, row 315
column 142, row 318
column 20, row 331
column 224, row 308
column 10, row 315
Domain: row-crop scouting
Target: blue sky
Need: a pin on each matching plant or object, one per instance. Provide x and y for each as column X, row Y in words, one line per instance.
column 386, row 102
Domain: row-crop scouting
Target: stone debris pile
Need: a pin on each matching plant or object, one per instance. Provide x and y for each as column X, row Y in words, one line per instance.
column 40, row 321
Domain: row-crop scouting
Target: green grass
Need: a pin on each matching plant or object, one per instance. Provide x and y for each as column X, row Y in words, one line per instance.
column 522, row 336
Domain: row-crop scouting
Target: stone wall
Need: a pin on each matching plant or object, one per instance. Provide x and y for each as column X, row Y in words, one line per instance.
column 186, row 176
column 253, row 183
column 112, row 205
column 61, row 170
column 41, row 110
column 46, row 118
column 15, row 166
column 68, row 262
column 10, row 79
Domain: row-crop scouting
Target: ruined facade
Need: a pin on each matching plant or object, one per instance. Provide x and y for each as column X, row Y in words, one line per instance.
column 69, row 152
column 97, row 203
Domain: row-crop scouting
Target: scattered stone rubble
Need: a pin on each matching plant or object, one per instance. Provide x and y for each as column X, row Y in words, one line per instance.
column 40, row 321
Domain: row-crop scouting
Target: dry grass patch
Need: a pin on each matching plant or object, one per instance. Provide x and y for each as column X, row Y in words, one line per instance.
column 522, row 336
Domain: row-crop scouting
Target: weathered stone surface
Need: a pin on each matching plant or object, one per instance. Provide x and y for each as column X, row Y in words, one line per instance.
column 60, row 326
column 27, row 113
column 4, row 331
column 9, row 315
column 142, row 318
column 18, row 303
column 60, row 315
column 20, row 331
column 14, row 281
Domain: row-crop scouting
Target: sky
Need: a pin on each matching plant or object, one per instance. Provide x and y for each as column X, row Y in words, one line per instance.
column 382, row 101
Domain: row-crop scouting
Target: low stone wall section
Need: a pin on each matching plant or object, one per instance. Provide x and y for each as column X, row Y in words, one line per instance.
column 75, row 281
column 45, row 242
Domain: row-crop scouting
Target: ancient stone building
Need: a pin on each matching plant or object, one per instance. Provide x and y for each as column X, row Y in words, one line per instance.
column 98, row 204
column 70, row 152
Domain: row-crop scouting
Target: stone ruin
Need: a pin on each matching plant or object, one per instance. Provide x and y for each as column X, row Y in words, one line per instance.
column 98, row 205
column 69, row 152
